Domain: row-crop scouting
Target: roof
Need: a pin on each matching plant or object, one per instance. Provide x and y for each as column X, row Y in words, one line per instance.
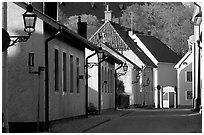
column 57, row 25
column 94, row 8
column 119, row 54
column 113, row 58
column 122, row 31
column 158, row 49
column 178, row 65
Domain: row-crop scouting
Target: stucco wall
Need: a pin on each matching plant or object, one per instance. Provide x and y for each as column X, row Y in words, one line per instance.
column 183, row 86
column 66, row 104
column 107, row 90
column 167, row 74
column 23, row 87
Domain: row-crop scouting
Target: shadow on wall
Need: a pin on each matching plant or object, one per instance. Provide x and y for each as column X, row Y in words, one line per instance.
column 93, row 101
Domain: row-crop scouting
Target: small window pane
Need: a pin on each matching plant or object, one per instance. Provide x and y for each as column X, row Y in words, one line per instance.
column 77, row 63
column 56, row 70
column 189, row 76
column 71, row 74
column 64, row 70
column 189, row 94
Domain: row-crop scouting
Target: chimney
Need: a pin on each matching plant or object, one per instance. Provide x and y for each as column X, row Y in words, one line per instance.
column 108, row 14
column 82, row 28
column 149, row 32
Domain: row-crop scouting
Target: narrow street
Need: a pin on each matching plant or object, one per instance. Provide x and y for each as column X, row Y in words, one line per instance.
column 153, row 121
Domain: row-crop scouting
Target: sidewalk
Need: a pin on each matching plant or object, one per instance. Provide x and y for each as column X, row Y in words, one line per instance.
column 82, row 124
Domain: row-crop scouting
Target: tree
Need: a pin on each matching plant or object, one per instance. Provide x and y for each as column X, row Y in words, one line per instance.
column 168, row 21
column 93, row 24
column 120, row 87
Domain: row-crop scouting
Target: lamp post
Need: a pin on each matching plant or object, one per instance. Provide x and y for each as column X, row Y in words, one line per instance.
column 197, row 22
column 100, row 55
column 29, row 19
column 125, row 68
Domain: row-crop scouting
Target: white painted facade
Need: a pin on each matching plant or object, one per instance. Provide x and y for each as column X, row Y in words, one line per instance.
column 23, row 87
column 163, row 75
column 184, row 86
column 26, row 91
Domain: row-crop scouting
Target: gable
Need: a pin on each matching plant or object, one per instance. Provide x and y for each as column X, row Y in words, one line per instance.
column 116, row 37
column 110, row 37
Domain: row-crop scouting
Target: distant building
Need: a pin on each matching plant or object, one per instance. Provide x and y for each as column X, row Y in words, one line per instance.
column 184, row 79
column 164, row 58
column 116, row 37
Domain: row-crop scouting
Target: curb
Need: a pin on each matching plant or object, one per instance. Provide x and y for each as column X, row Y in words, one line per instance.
column 95, row 126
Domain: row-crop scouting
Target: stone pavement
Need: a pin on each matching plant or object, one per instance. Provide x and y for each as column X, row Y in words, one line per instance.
column 82, row 124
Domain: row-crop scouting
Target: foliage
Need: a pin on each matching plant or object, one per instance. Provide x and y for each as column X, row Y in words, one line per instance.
column 168, row 21
column 120, row 87
column 92, row 109
column 93, row 23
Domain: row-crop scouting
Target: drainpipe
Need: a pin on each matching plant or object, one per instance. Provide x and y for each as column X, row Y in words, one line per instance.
column 116, row 86
column 86, row 90
column 47, row 78
column 197, row 91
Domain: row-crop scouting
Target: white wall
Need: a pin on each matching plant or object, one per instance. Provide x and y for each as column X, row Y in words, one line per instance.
column 108, row 97
column 183, row 86
column 22, row 86
column 66, row 104
column 167, row 74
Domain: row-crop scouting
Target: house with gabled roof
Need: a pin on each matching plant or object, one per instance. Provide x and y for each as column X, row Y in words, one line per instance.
column 116, row 37
column 165, row 59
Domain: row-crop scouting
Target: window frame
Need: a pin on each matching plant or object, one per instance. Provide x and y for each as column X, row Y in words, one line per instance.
column 186, row 76
column 186, row 94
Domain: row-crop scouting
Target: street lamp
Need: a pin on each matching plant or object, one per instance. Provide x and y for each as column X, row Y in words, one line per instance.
column 137, row 79
column 100, row 54
column 101, row 58
column 29, row 19
column 197, row 22
column 125, row 68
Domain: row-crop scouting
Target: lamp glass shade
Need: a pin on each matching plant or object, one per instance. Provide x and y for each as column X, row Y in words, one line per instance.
column 198, row 19
column 29, row 18
column 138, row 77
column 100, row 54
column 125, row 67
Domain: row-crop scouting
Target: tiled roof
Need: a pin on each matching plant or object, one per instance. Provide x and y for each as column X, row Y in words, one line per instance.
column 122, row 31
column 158, row 49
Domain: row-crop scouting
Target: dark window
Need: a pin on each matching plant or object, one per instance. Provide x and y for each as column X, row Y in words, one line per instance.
column 108, row 80
column 188, row 94
column 64, row 72
column 111, row 81
column 105, row 80
column 189, row 76
column 77, row 63
column 71, row 74
column 56, row 70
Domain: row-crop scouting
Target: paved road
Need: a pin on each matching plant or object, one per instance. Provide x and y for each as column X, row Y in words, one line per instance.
column 153, row 121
